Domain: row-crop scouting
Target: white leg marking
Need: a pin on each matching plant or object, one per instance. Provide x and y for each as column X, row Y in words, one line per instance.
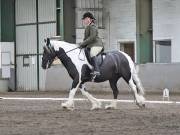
column 113, row 105
column 69, row 105
column 139, row 98
column 95, row 103
column 138, row 82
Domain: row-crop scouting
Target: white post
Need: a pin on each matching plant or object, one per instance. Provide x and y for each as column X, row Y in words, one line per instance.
column 165, row 94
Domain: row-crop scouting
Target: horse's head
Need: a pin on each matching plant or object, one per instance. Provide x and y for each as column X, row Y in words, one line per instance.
column 49, row 55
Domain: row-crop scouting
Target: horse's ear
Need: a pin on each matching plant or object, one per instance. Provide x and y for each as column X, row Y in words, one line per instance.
column 45, row 40
column 48, row 41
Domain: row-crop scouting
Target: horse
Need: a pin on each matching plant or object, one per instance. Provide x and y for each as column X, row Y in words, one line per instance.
column 114, row 65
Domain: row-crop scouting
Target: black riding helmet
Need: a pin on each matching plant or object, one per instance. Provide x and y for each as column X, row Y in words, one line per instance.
column 88, row 14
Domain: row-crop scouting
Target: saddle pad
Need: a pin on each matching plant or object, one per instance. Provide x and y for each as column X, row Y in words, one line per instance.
column 100, row 59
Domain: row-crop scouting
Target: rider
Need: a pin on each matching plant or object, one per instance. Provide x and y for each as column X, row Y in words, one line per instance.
column 91, row 40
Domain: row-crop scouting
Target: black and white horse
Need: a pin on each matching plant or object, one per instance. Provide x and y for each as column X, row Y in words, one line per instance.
column 116, row 64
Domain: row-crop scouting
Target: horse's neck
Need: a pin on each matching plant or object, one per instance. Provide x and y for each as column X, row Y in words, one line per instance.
column 68, row 59
column 65, row 45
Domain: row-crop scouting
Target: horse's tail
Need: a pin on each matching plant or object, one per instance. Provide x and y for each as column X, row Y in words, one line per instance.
column 135, row 77
column 137, row 81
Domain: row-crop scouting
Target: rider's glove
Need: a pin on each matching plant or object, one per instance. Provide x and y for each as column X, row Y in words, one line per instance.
column 81, row 46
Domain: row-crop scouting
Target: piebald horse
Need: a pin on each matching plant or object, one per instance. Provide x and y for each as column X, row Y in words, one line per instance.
column 115, row 64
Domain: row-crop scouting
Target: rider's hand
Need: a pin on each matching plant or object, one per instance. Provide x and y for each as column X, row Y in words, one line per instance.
column 81, row 46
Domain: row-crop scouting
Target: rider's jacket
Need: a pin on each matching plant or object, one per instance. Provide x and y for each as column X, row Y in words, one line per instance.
column 91, row 37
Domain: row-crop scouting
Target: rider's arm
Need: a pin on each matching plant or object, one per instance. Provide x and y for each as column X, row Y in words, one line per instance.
column 92, row 36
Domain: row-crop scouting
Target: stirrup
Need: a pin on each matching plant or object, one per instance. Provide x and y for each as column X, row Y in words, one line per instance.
column 95, row 73
column 94, row 76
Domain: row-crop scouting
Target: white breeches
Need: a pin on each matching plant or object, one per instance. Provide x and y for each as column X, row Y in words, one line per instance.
column 95, row 50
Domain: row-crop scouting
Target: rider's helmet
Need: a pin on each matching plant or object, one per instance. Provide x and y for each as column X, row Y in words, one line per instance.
column 88, row 14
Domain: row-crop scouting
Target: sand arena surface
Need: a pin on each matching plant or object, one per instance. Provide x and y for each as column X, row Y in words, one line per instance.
column 45, row 117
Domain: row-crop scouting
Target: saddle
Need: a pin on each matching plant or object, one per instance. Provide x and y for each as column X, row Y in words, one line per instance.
column 99, row 58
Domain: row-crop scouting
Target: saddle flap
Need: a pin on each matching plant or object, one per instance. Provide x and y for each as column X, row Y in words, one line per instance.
column 100, row 58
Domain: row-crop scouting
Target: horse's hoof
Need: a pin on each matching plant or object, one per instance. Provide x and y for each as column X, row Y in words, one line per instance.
column 67, row 106
column 96, row 107
column 109, row 107
column 141, row 106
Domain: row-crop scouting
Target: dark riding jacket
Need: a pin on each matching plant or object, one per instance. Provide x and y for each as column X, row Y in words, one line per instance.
column 91, row 37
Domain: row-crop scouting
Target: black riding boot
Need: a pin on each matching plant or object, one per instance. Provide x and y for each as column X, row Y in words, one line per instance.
column 96, row 71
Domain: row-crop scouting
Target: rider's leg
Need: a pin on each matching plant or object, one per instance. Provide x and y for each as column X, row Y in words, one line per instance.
column 95, row 50
column 87, row 52
column 96, row 67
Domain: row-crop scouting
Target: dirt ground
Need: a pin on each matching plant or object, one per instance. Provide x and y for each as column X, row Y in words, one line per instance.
column 22, row 117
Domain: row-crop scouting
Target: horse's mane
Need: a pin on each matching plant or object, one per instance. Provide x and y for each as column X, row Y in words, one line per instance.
column 56, row 44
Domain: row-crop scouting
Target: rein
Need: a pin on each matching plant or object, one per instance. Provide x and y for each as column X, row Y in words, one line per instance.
column 75, row 49
column 51, row 48
column 72, row 49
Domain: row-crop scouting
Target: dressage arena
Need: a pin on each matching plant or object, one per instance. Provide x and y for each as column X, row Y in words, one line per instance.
column 40, row 113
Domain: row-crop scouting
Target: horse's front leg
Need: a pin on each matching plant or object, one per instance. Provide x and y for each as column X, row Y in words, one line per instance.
column 95, row 103
column 69, row 104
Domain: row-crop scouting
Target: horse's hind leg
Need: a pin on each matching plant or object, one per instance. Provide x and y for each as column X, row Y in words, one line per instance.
column 113, row 84
column 139, row 98
column 95, row 103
